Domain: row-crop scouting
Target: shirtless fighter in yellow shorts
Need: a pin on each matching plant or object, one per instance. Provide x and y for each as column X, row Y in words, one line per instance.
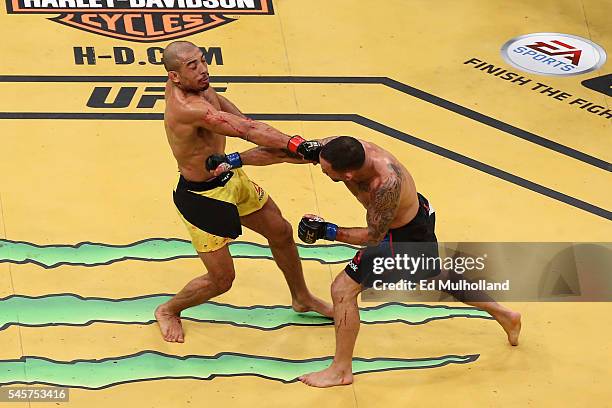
column 214, row 208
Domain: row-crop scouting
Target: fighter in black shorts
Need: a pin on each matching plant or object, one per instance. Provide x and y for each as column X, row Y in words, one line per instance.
column 419, row 232
column 396, row 213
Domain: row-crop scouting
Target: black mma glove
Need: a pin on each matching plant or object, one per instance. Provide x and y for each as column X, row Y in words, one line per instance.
column 313, row 227
column 308, row 149
column 227, row 162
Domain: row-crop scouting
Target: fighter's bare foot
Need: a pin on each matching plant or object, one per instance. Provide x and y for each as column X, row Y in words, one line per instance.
column 314, row 304
column 330, row 377
column 169, row 324
column 511, row 322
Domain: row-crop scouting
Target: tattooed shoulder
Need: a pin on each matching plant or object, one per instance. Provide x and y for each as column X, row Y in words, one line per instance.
column 383, row 207
column 396, row 170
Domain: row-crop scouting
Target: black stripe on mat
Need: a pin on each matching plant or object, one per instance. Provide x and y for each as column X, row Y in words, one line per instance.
column 391, row 83
column 373, row 125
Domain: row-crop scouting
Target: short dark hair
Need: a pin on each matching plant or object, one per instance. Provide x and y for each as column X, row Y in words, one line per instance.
column 344, row 153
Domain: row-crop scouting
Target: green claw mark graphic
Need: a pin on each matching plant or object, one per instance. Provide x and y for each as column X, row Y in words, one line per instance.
column 73, row 310
column 152, row 365
column 154, row 249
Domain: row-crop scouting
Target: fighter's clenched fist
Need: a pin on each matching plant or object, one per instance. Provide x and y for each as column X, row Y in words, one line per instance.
column 313, row 227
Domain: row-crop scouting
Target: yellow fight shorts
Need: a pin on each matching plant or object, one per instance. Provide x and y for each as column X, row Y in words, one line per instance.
column 211, row 210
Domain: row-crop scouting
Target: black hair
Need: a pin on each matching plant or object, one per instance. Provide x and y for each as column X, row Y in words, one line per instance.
column 344, row 153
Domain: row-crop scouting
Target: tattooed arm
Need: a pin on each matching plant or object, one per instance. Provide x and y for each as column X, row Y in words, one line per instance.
column 383, row 209
column 381, row 213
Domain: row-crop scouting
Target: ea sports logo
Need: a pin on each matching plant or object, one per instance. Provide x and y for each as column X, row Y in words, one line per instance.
column 553, row 54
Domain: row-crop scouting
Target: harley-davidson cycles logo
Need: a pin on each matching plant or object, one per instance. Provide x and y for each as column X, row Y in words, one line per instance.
column 141, row 20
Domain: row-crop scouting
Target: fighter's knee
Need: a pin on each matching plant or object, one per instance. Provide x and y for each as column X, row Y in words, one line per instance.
column 339, row 291
column 224, row 283
column 287, row 231
column 281, row 233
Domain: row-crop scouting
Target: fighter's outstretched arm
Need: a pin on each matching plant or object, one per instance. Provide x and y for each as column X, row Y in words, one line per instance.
column 264, row 156
column 298, row 151
column 223, row 123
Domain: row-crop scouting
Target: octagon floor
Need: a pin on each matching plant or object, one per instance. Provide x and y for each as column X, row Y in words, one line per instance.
column 90, row 242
